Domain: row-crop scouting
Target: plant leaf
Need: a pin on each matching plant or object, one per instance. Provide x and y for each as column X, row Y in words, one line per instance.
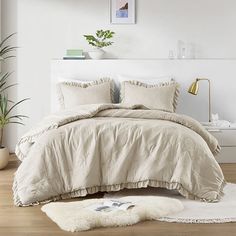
column 16, row 104
column 20, row 117
column 16, row 122
column 7, row 87
column 8, row 37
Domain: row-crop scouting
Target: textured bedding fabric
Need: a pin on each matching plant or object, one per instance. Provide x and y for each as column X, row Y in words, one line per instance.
column 108, row 147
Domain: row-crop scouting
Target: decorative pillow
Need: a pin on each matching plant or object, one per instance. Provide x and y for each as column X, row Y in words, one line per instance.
column 145, row 79
column 72, row 94
column 162, row 96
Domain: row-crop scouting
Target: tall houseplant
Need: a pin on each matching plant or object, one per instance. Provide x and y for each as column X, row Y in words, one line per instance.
column 100, row 40
column 7, row 107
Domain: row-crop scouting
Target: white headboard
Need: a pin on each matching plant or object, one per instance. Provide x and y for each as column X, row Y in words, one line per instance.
column 222, row 74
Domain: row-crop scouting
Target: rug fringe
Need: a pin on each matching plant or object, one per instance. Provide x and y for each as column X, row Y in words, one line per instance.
column 198, row 221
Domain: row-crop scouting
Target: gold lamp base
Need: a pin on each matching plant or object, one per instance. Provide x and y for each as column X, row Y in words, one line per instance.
column 193, row 89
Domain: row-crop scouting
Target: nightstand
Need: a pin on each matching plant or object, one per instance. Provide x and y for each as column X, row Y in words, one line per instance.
column 227, row 140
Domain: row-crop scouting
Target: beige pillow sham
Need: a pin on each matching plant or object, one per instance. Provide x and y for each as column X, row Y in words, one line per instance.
column 72, row 94
column 162, row 96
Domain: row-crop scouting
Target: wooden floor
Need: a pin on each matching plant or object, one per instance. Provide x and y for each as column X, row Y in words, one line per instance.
column 31, row 221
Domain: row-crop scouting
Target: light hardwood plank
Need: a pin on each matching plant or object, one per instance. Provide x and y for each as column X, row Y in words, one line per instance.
column 16, row 221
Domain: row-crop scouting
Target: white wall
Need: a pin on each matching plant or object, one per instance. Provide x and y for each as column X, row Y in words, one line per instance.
column 46, row 28
column 160, row 23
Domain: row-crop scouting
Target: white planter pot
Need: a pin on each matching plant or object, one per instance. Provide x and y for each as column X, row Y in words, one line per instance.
column 4, row 157
column 96, row 54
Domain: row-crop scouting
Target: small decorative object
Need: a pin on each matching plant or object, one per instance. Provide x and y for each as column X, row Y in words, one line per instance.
column 219, row 123
column 185, row 50
column 193, row 89
column 74, row 54
column 181, row 49
column 122, row 11
column 171, row 55
column 191, row 50
column 6, row 106
column 99, row 41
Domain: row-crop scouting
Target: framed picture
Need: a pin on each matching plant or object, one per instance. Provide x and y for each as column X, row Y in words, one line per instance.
column 122, row 11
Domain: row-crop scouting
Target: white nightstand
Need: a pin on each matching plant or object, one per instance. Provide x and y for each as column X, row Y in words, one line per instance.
column 227, row 140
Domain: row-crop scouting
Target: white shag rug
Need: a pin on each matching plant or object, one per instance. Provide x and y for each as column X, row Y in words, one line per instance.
column 194, row 211
column 74, row 216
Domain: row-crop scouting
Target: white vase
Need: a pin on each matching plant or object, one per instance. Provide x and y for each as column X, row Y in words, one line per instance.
column 4, row 157
column 96, row 54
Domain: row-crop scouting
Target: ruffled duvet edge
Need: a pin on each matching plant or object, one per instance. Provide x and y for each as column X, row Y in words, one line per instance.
column 117, row 187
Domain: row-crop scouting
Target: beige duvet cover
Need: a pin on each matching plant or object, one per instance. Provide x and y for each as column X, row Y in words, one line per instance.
column 108, row 147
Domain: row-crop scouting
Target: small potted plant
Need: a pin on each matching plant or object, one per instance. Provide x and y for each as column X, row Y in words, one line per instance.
column 7, row 106
column 99, row 41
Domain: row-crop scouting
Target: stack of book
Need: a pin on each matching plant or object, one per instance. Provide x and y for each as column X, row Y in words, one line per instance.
column 74, row 54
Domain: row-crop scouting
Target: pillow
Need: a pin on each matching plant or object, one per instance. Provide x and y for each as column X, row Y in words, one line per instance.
column 67, row 80
column 73, row 93
column 144, row 79
column 162, row 96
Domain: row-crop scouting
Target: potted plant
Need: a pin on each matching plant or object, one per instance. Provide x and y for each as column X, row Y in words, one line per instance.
column 99, row 41
column 7, row 106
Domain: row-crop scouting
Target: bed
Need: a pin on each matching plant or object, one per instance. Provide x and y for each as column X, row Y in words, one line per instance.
column 88, row 148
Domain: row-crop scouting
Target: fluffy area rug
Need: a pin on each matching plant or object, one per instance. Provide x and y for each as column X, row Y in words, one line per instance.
column 194, row 211
column 76, row 216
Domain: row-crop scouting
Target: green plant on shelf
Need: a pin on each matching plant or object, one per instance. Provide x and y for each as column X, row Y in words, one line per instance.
column 101, row 39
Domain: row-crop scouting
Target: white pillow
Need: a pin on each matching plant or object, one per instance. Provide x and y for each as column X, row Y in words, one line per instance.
column 144, row 79
column 74, row 93
column 162, row 96
column 62, row 80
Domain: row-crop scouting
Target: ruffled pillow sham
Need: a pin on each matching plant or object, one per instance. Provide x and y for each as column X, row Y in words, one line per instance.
column 162, row 96
column 73, row 93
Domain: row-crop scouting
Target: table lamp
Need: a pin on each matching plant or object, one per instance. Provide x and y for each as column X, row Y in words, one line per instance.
column 193, row 89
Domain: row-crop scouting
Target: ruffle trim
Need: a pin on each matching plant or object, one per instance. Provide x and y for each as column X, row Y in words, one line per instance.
column 19, row 154
column 161, row 84
column 216, row 151
column 117, row 187
column 84, row 85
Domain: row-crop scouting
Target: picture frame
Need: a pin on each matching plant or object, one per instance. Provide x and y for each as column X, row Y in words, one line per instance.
column 122, row 11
